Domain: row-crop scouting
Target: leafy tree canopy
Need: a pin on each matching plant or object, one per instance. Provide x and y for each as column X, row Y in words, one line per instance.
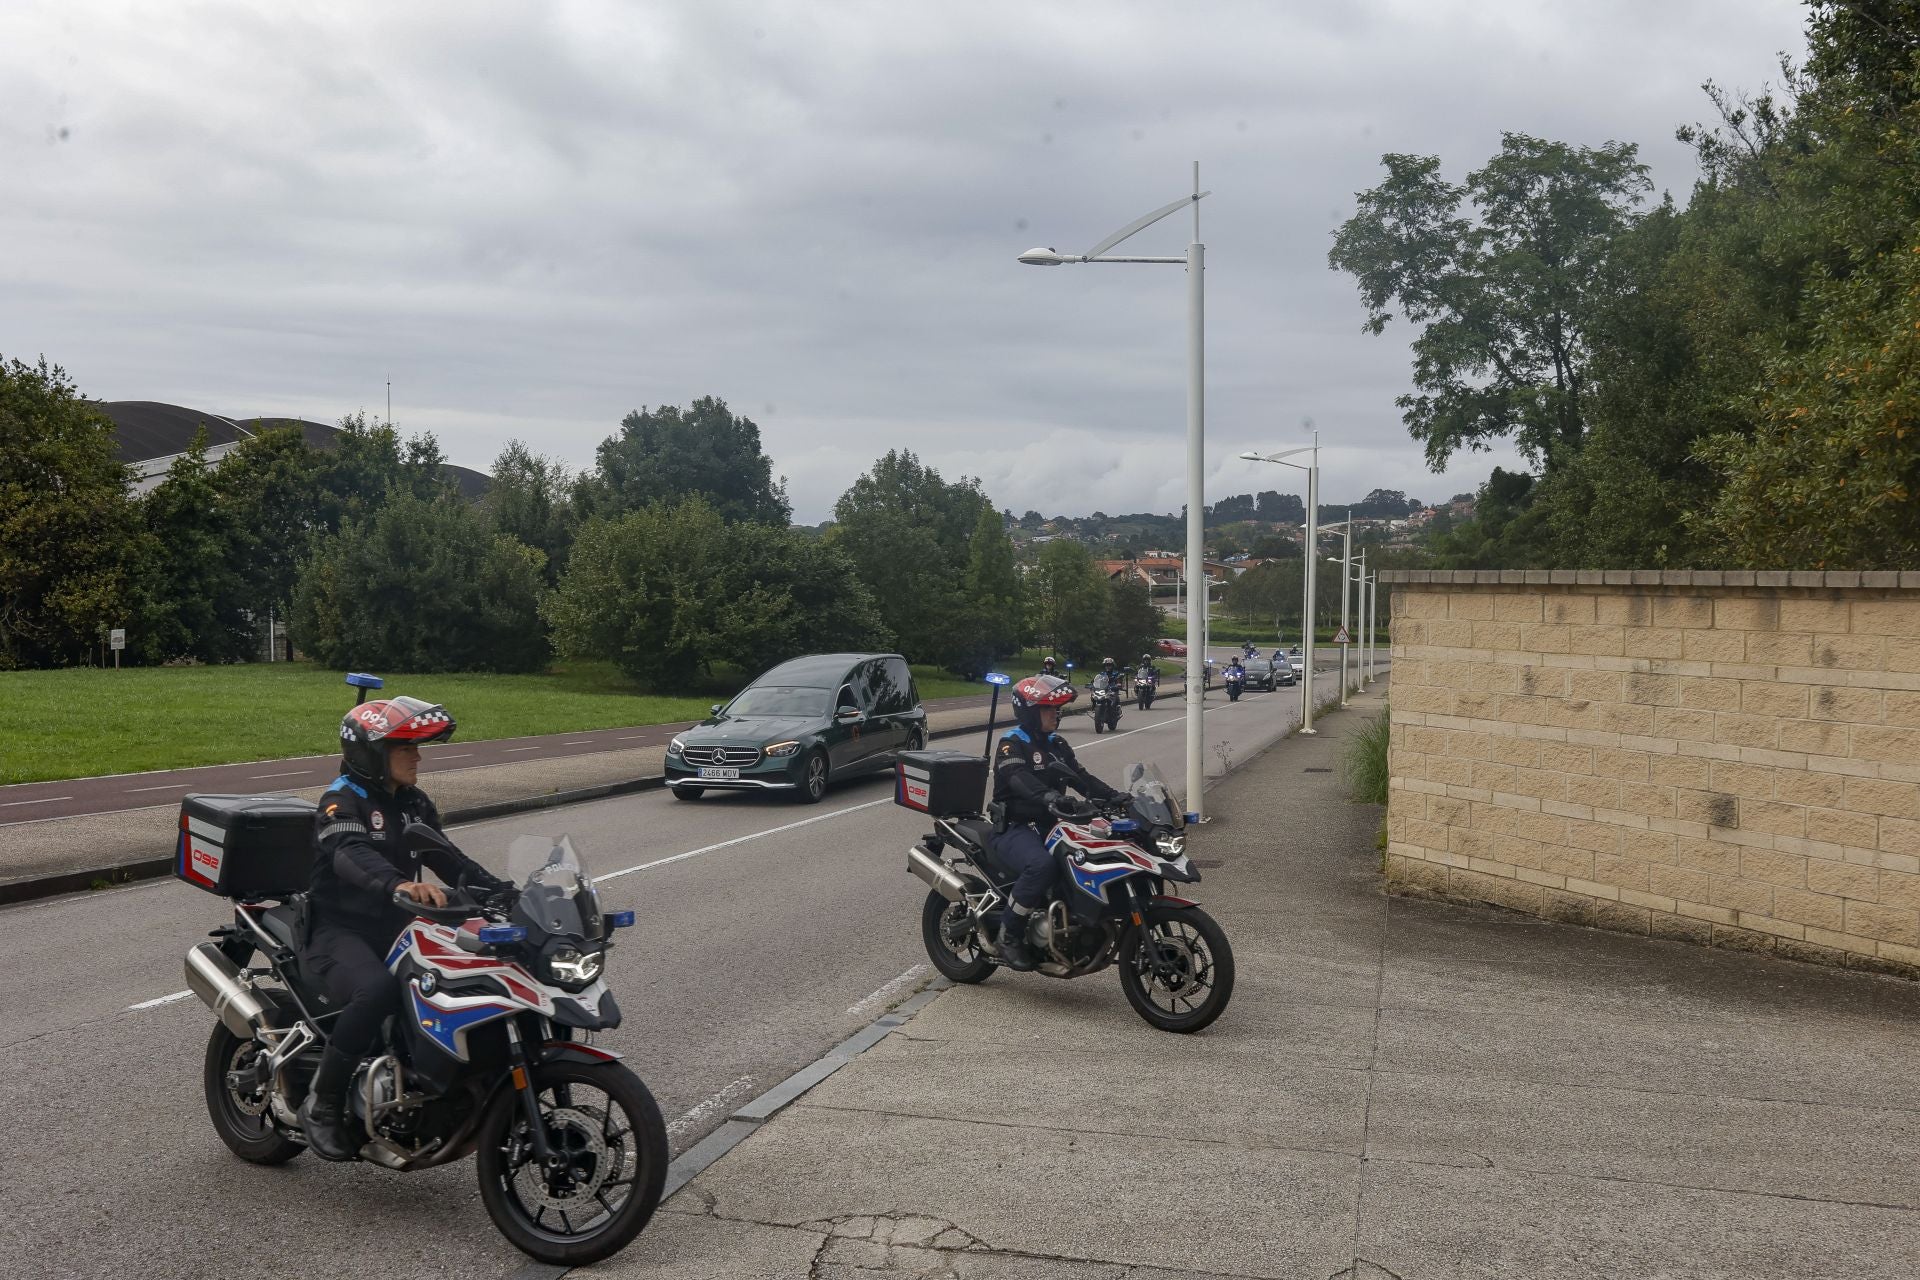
column 668, row 454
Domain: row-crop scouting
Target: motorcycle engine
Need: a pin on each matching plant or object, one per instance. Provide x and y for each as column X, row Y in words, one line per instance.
column 376, row 1086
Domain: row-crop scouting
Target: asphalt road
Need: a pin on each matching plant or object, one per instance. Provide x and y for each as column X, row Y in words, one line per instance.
column 768, row 933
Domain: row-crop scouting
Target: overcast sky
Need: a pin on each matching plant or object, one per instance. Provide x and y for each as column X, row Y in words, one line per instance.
column 536, row 217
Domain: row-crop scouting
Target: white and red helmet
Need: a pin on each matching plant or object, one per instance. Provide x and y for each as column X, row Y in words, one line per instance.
column 1037, row 693
column 370, row 728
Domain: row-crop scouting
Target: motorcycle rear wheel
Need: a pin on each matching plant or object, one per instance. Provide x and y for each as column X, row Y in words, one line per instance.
column 1177, row 968
column 518, row 1194
column 243, row 1121
column 938, row 918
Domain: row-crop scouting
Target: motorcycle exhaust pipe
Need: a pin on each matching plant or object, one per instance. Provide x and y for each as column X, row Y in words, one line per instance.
column 225, row 990
column 937, row 877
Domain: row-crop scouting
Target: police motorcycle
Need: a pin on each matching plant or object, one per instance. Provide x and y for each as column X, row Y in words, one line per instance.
column 1236, row 681
column 491, row 1055
column 1103, row 698
column 1111, row 904
column 1145, row 686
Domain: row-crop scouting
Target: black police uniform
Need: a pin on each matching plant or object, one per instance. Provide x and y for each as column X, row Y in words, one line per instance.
column 1029, row 773
column 360, row 859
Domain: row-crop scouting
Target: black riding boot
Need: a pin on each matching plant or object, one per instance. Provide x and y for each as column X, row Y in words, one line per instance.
column 323, row 1116
column 1014, row 950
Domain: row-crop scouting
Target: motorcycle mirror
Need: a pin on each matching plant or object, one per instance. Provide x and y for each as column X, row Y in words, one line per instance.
column 418, row 835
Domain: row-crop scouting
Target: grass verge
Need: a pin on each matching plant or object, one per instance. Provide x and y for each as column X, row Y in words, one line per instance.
column 1366, row 761
column 86, row 721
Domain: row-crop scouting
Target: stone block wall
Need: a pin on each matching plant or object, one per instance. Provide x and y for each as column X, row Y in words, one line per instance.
column 1724, row 758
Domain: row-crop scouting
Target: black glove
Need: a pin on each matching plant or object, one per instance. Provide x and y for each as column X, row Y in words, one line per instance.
column 1072, row 810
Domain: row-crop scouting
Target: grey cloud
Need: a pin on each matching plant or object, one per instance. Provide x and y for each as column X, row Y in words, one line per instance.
column 534, row 218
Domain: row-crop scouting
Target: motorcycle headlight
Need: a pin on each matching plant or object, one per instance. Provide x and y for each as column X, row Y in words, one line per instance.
column 1171, row 847
column 780, row 750
column 570, row 966
column 675, row 747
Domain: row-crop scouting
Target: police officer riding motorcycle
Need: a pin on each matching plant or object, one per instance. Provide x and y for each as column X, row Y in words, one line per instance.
column 361, row 862
column 1033, row 767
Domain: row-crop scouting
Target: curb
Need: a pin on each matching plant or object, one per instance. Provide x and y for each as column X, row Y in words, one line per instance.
column 744, row 1121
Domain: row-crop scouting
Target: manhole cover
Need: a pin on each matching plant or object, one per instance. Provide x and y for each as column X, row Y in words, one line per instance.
column 1317, row 771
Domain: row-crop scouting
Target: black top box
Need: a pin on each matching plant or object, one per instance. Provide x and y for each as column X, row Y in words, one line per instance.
column 245, row 846
column 941, row 783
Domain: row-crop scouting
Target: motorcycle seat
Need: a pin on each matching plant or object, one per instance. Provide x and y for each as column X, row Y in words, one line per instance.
column 282, row 922
column 977, row 830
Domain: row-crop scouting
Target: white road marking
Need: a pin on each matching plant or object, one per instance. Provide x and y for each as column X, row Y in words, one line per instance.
column 453, row 755
column 728, row 844
column 511, row 750
column 632, row 737
column 171, row 786
column 297, row 773
column 575, row 742
column 152, row 1004
column 43, row 800
column 717, row 1102
column 887, row 992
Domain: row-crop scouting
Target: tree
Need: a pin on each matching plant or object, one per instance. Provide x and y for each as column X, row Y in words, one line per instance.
column 1071, row 603
column 909, row 534
column 1274, row 546
column 665, row 591
column 1280, row 508
column 422, row 586
column 529, row 500
column 1134, row 622
column 194, row 601
column 1505, row 297
column 70, row 535
column 669, row 454
column 993, row 620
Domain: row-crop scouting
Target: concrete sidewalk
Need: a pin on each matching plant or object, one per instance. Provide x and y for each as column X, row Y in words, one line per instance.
column 1400, row 1089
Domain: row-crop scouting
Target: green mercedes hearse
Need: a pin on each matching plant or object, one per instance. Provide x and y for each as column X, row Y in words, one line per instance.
column 802, row 725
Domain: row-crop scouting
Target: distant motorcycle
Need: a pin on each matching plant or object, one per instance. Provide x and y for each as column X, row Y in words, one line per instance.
column 1110, row 906
column 1146, row 683
column 1104, row 697
column 1236, row 680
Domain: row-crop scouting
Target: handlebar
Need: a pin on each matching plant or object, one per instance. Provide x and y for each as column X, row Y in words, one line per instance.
column 459, row 909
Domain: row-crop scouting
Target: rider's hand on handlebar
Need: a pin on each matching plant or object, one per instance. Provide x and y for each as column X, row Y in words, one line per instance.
column 431, row 895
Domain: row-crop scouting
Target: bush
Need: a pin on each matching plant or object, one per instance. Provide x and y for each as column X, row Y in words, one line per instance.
column 1366, row 760
column 422, row 586
column 667, row 591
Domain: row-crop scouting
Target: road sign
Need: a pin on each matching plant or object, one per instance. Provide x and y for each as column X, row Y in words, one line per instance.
column 117, row 638
column 1341, row 637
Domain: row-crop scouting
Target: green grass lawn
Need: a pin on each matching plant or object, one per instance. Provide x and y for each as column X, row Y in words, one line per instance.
column 85, row 721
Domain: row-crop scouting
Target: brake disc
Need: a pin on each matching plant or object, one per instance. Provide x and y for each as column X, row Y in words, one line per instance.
column 579, row 1134
column 1176, row 962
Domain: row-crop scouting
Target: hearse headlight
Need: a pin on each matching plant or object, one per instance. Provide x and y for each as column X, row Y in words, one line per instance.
column 571, row 967
column 781, row 750
column 1171, row 846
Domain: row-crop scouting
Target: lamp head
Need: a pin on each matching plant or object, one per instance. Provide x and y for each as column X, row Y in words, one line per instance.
column 1044, row 257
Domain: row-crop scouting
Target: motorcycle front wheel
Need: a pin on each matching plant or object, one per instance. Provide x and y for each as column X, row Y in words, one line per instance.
column 606, row 1127
column 1177, row 968
column 947, row 930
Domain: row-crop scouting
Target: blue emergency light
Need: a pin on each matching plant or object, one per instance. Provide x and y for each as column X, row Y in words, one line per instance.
column 361, row 680
column 493, row 934
column 994, row 677
column 619, row 919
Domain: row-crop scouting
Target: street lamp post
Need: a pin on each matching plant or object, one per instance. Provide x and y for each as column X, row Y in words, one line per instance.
column 1310, row 572
column 1195, row 263
column 1346, row 589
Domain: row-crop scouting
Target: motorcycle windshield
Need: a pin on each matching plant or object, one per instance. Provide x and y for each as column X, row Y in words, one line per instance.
column 556, row 895
column 1152, row 798
column 1101, row 682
